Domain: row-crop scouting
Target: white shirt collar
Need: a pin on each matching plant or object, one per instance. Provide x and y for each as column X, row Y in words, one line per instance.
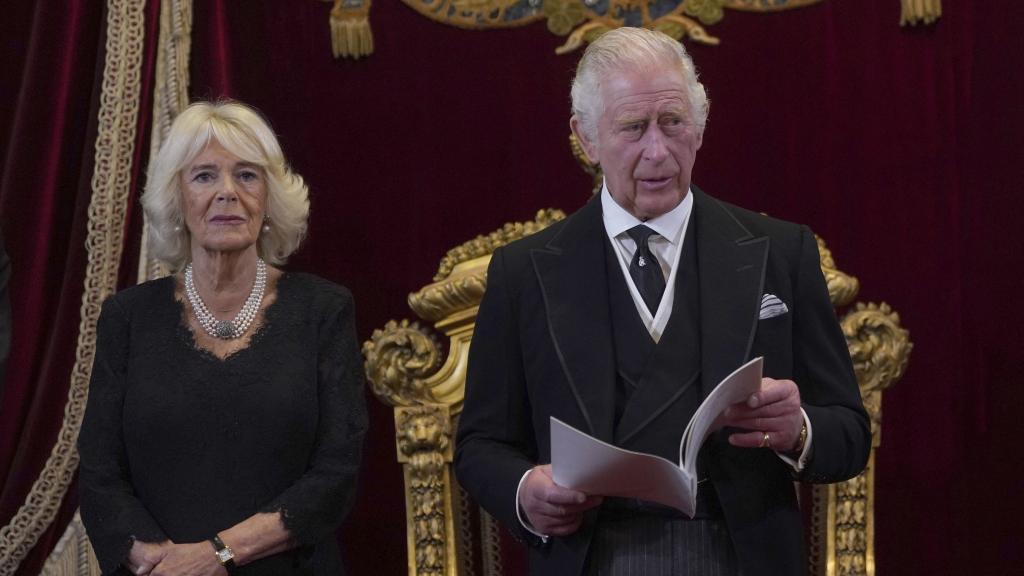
column 668, row 225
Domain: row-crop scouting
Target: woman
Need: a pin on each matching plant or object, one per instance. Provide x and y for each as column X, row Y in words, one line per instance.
column 226, row 416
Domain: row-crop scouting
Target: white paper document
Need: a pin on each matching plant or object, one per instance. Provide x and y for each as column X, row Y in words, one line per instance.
column 582, row 462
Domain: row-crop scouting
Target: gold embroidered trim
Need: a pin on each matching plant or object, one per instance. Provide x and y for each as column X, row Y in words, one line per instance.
column 115, row 143
column 170, row 97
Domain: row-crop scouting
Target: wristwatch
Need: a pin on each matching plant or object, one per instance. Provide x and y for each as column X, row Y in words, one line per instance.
column 225, row 555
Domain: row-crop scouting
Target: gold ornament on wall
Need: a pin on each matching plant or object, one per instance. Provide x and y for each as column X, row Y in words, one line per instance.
column 351, row 35
column 916, row 12
column 581, row 21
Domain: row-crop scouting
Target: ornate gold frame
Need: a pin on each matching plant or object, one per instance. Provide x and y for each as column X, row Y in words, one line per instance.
column 408, row 370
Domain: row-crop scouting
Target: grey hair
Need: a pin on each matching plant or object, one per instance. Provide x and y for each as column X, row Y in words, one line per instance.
column 244, row 132
column 631, row 48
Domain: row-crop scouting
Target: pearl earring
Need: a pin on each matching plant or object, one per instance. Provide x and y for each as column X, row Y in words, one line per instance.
column 266, row 225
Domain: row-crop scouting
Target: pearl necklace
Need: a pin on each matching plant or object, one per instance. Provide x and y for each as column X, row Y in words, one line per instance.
column 228, row 329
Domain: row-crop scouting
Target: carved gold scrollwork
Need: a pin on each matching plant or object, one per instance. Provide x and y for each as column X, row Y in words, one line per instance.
column 442, row 299
column 424, row 437
column 485, row 245
column 399, row 358
column 842, row 288
column 880, row 349
column 594, row 170
column 843, row 524
column 851, row 525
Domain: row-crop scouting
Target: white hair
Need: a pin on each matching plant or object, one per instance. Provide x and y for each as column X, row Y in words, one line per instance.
column 630, row 48
column 244, row 132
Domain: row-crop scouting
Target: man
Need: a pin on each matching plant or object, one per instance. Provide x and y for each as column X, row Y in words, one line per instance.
column 621, row 318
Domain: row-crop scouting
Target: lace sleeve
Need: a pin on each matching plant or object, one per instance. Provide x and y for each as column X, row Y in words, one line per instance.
column 318, row 501
column 114, row 518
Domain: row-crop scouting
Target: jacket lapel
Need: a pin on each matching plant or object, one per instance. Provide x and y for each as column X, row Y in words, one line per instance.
column 572, row 277
column 732, row 267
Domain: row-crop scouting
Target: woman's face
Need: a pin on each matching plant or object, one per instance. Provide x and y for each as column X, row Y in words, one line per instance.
column 224, row 199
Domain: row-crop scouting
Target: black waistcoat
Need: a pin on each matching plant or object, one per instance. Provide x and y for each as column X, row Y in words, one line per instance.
column 668, row 370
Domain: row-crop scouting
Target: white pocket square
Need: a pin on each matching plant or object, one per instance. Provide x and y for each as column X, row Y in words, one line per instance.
column 771, row 307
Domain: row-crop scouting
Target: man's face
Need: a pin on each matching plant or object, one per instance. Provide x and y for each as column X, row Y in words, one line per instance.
column 646, row 140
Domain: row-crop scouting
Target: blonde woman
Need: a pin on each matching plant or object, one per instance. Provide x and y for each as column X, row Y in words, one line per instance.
column 225, row 419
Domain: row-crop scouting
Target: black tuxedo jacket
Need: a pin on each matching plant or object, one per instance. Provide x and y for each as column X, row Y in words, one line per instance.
column 543, row 347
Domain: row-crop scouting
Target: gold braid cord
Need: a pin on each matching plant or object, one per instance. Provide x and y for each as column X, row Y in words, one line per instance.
column 169, row 99
column 916, row 12
column 115, row 142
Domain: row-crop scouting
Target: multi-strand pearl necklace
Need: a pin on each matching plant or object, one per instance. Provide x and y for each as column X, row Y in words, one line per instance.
column 228, row 329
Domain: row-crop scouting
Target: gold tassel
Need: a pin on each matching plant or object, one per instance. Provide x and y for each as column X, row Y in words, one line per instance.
column 351, row 36
column 920, row 11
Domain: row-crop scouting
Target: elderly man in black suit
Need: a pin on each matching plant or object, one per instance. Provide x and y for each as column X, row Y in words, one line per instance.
column 621, row 318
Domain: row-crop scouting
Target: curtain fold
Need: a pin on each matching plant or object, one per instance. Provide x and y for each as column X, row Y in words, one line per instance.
column 47, row 148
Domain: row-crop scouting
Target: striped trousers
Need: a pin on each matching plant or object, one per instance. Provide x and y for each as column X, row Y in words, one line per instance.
column 652, row 545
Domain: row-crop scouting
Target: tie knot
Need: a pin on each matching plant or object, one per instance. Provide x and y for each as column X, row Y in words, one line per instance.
column 640, row 234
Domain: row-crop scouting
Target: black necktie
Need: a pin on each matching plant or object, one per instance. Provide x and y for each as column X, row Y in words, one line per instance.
column 645, row 269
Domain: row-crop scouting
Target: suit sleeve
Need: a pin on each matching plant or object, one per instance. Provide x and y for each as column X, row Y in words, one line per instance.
column 824, row 372
column 113, row 516
column 495, row 444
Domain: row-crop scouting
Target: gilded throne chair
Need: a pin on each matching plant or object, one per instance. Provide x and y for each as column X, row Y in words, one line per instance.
column 449, row 535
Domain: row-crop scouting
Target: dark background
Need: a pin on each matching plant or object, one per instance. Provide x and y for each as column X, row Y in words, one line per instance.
column 902, row 147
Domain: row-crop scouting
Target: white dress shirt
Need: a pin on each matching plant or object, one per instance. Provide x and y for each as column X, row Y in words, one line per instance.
column 665, row 245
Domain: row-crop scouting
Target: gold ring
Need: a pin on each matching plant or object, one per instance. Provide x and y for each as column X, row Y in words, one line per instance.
column 766, row 442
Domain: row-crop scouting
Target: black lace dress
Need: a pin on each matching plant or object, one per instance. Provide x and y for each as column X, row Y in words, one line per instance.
column 178, row 444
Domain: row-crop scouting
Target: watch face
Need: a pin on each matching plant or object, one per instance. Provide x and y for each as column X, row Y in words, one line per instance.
column 225, row 554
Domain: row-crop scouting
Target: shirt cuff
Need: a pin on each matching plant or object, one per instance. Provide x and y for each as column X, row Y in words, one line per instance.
column 798, row 464
column 522, row 517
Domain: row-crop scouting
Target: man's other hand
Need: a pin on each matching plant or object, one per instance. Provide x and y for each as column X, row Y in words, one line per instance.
column 550, row 508
column 774, row 410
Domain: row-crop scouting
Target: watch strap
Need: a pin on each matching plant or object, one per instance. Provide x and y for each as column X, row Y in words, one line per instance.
column 225, row 555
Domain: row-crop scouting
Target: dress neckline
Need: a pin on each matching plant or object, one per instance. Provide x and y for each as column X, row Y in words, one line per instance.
column 188, row 337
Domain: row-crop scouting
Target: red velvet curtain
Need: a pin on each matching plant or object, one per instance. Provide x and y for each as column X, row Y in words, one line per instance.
column 900, row 146
column 51, row 68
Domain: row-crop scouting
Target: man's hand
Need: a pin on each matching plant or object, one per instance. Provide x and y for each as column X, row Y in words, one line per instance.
column 550, row 508
column 773, row 410
column 144, row 556
column 196, row 559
